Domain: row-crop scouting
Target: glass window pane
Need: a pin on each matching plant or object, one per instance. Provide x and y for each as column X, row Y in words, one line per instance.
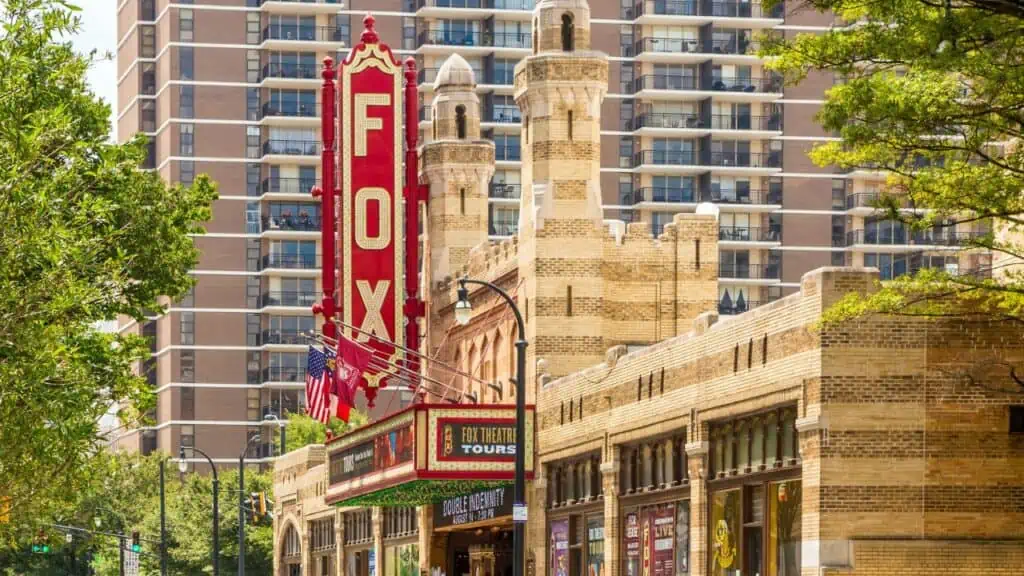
column 784, row 528
column 724, row 531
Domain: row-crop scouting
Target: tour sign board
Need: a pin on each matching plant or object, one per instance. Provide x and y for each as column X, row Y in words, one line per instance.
column 427, row 453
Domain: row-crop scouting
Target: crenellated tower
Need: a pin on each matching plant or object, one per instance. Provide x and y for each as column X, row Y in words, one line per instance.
column 559, row 89
column 458, row 166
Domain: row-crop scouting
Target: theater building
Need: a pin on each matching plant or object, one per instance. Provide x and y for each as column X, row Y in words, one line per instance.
column 662, row 439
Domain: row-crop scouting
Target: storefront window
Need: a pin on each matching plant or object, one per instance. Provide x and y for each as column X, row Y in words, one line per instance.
column 401, row 560
column 595, row 546
column 560, row 548
column 784, row 528
column 683, row 537
column 724, row 531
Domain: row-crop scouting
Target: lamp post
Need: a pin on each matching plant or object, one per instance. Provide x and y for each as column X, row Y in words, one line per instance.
column 271, row 417
column 183, row 467
column 241, row 505
column 463, row 313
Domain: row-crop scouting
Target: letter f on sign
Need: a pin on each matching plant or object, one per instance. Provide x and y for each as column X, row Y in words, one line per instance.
column 363, row 122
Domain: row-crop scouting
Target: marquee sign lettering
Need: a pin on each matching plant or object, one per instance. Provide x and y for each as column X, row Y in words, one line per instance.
column 370, row 228
column 477, row 440
column 480, row 506
column 384, row 451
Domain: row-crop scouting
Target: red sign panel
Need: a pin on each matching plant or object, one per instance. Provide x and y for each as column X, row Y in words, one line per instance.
column 370, row 227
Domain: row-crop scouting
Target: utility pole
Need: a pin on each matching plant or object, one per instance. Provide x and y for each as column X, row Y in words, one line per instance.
column 163, row 523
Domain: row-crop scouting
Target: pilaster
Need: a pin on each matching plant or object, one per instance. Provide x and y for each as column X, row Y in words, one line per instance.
column 378, row 540
column 537, row 524
column 612, row 521
column 339, row 542
column 697, row 453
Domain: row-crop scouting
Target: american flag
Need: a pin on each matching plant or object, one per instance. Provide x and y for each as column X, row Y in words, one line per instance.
column 319, row 382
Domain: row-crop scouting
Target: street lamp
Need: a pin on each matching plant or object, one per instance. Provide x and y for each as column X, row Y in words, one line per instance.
column 241, row 505
column 183, row 467
column 463, row 313
column 271, row 417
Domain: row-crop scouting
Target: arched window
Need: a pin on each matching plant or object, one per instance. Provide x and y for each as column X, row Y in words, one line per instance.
column 499, row 361
column 460, row 121
column 567, row 33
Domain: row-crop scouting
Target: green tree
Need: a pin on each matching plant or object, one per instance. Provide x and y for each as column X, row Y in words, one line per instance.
column 304, row 430
column 931, row 93
column 85, row 236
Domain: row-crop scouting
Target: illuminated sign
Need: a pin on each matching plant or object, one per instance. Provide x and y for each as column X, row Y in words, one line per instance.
column 386, row 450
column 477, row 440
column 370, row 228
column 479, row 506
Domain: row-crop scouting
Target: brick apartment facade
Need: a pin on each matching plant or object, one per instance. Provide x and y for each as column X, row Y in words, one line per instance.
column 689, row 114
column 672, row 440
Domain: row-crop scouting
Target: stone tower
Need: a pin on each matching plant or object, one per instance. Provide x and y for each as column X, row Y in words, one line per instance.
column 458, row 166
column 559, row 89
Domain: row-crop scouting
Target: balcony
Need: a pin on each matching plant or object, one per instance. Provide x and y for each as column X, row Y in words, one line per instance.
column 668, row 121
column 938, row 237
column 742, row 122
column 296, row 7
column 284, row 374
column 504, row 191
column 290, row 71
column 751, row 14
column 295, row 33
column 290, row 110
column 470, row 38
column 745, row 197
column 292, row 261
column 287, row 222
column 471, row 4
column 502, row 228
column 729, row 308
column 291, row 147
column 746, row 159
column 662, row 194
column 749, row 271
column 289, row 185
column 868, row 202
column 748, row 234
column 288, row 298
column 285, row 337
column 721, row 88
column 655, row 45
column 665, row 158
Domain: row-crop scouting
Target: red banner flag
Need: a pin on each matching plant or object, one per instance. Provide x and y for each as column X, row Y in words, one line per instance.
column 352, row 362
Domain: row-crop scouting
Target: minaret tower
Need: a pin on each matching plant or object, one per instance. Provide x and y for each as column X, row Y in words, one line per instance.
column 559, row 89
column 458, row 166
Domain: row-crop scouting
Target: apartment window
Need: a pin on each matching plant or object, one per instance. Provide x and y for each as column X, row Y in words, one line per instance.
column 252, row 141
column 503, row 221
column 188, row 436
column 506, row 147
column 626, row 42
column 186, row 63
column 838, row 259
column 187, row 172
column 626, row 115
column 187, row 366
column 150, row 162
column 626, row 9
column 252, row 103
column 252, row 28
column 625, row 152
column 186, row 26
column 292, row 102
column 188, row 403
column 252, row 292
column 252, row 179
column 252, row 255
column 252, row 329
column 409, row 33
column 838, row 194
column 252, row 65
column 626, row 78
column 343, row 25
column 148, row 80
column 252, row 217
column 187, row 323
column 147, row 41
column 147, row 10
column 838, row 231
column 186, row 101
column 147, row 115
column 186, row 139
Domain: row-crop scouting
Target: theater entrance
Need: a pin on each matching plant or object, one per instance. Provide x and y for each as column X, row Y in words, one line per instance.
column 480, row 552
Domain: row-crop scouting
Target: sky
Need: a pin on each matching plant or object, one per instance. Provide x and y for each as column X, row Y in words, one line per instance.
column 99, row 32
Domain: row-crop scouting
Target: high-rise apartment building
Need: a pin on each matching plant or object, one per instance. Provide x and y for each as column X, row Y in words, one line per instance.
column 231, row 88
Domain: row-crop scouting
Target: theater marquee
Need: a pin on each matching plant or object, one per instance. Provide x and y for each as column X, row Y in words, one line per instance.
column 427, row 453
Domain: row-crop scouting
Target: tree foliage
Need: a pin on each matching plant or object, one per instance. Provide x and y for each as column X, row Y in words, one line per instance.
column 304, row 430
column 932, row 93
column 85, row 236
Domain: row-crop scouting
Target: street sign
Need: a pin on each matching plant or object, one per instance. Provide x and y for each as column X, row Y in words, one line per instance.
column 519, row 513
column 131, row 563
column 69, row 538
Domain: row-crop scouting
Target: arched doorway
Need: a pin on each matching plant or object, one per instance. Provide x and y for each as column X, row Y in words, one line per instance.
column 291, row 552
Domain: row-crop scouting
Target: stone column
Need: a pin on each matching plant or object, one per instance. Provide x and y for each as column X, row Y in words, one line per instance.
column 378, row 540
column 536, row 525
column 612, row 522
column 588, row 488
column 569, row 474
column 668, row 463
column 647, row 477
column 425, row 519
column 696, row 455
column 304, row 535
column 339, row 543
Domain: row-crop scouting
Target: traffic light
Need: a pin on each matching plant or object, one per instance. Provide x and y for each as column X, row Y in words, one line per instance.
column 253, row 505
column 136, row 546
column 40, row 546
column 262, row 503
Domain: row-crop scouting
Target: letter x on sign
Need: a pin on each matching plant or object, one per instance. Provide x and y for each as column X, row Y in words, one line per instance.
column 373, row 300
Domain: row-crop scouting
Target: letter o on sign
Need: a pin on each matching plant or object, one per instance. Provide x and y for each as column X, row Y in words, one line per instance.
column 383, row 238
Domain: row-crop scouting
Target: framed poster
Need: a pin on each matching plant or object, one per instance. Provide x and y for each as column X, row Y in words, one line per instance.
column 560, row 547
